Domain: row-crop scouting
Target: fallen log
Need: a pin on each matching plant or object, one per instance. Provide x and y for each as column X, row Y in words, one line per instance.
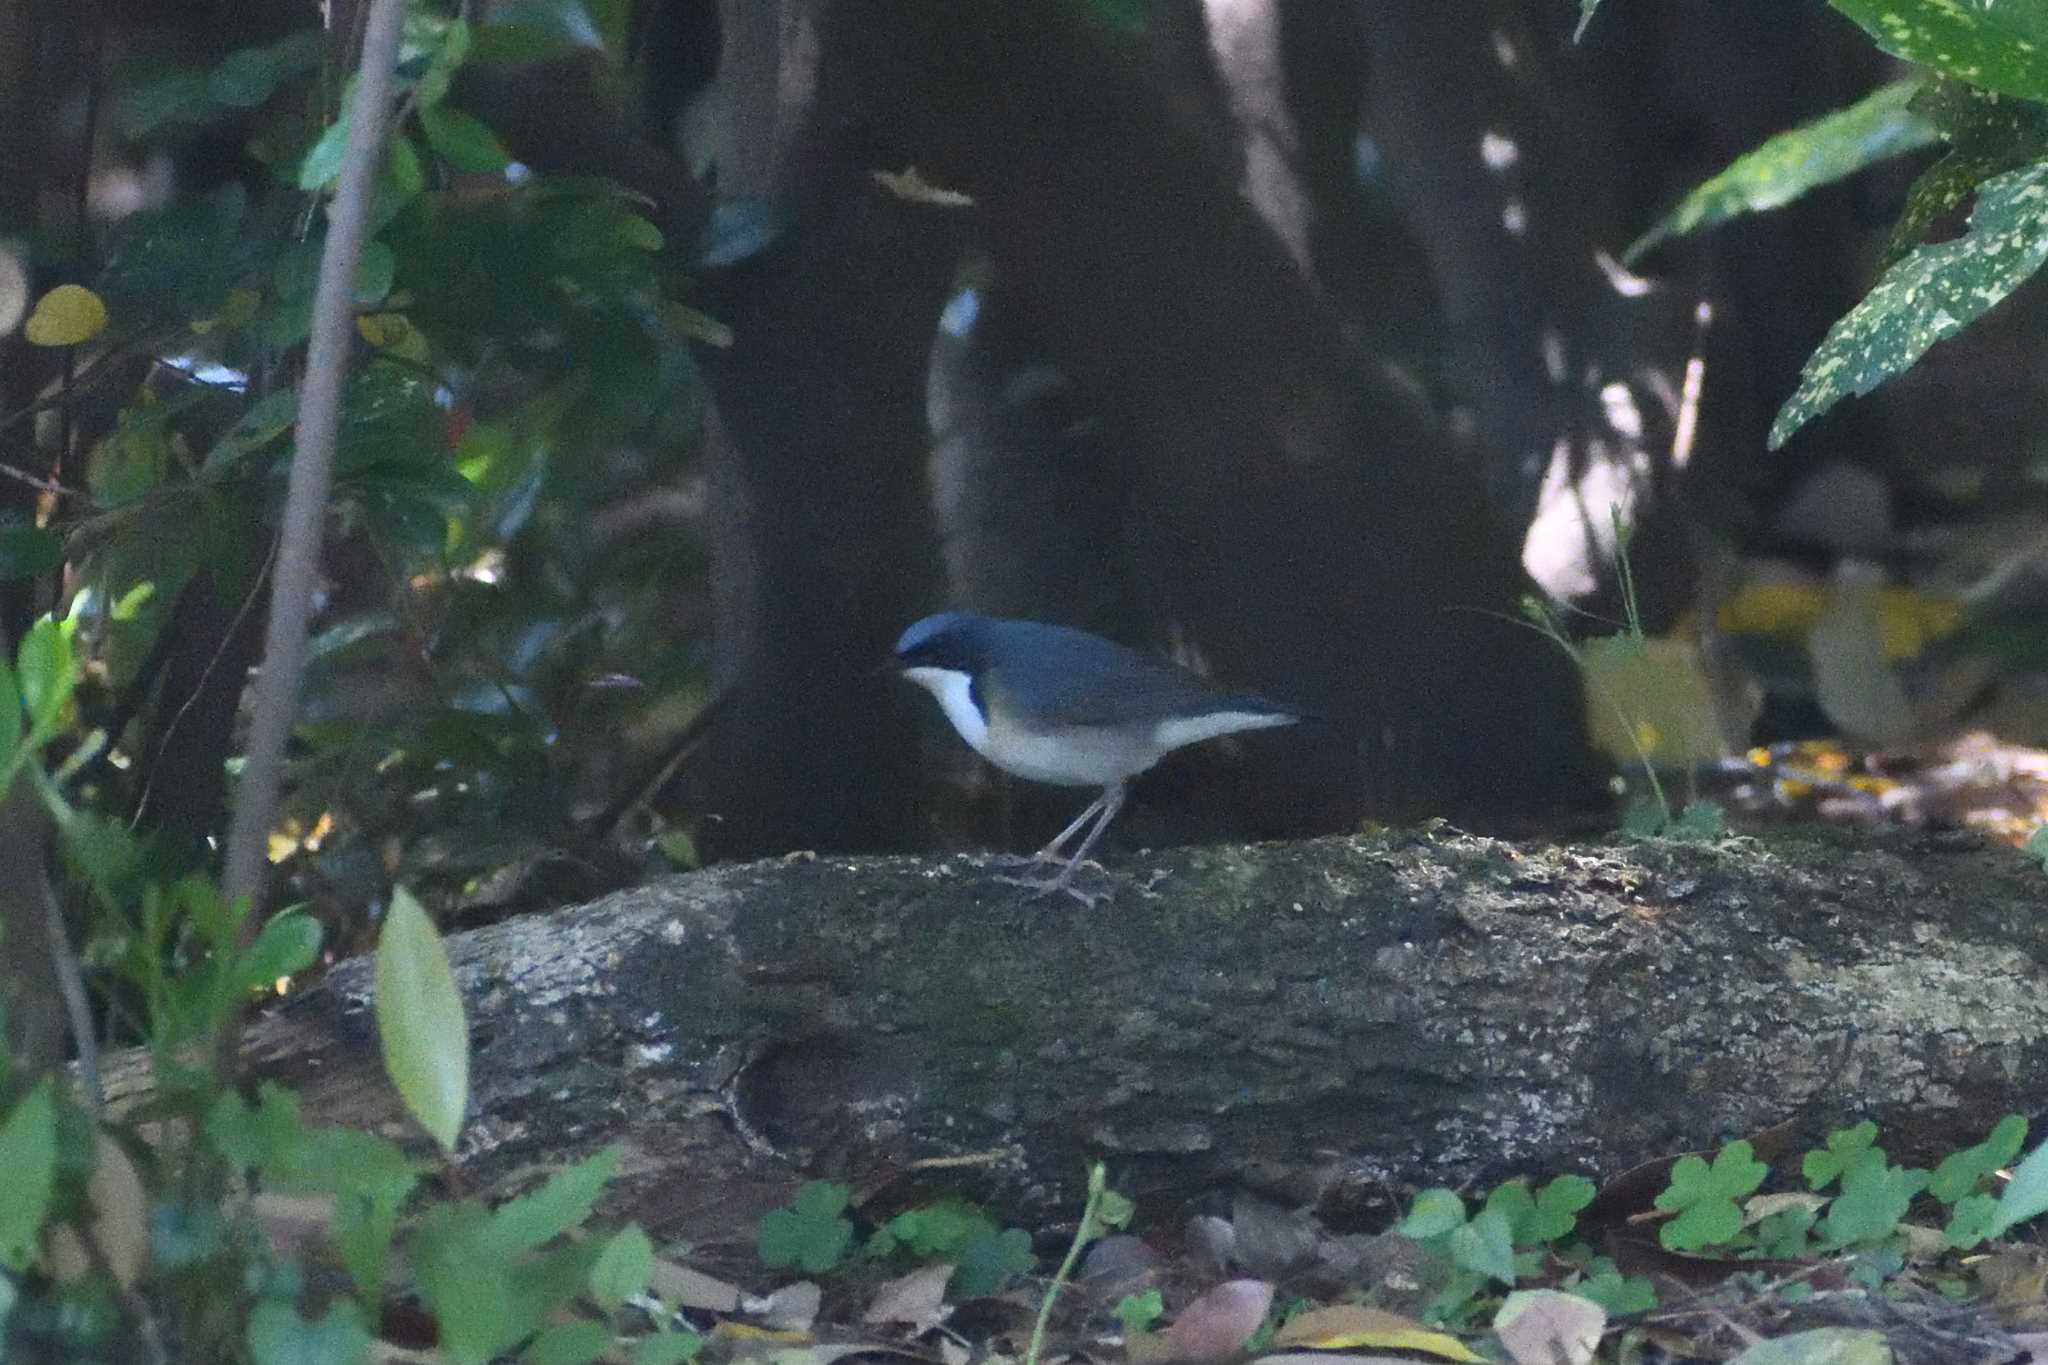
column 1322, row 1021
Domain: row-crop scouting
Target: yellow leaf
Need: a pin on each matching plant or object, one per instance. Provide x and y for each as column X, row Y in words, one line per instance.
column 65, row 316
column 1657, row 695
column 1907, row 620
column 383, row 329
column 1349, row 1325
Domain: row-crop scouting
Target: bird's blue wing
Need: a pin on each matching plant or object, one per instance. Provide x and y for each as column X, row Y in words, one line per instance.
column 1068, row 677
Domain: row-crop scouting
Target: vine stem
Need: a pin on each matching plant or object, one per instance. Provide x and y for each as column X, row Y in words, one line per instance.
column 1088, row 1231
column 276, row 692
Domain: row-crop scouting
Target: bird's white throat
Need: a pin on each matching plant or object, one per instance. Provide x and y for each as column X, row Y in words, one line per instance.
column 955, row 691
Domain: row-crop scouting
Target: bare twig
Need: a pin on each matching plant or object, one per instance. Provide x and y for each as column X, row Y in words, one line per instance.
column 275, row 702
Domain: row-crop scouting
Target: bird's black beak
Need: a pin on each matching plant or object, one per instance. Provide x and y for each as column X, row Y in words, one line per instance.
column 887, row 666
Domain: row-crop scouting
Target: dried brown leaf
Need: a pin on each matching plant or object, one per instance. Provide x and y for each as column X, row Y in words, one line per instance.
column 120, row 1222
column 680, row 1285
column 918, row 1300
column 1547, row 1327
column 1218, row 1324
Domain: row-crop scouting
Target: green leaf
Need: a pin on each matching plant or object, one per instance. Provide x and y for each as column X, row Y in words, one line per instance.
column 11, row 739
column 1545, row 1216
column 562, row 1202
column 420, row 1020
column 1873, row 1201
column 265, row 1137
column 277, row 1335
column 296, row 278
column 321, row 166
column 28, row 1153
column 1433, row 1213
column 1974, row 1219
column 1928, row 297
column 47, row 673
column 569, row 1343
column 268, row 418
column 1988, row 134
column 1847, row 1148
column 1993, row 46
column 810, row 1235
column 176, row 97
column 288, row 944
column 1619, row 1294
column 1704, row 1196
column 989, row 1262
column 1938, row 191
column 244, row 79
column 2026, row 1194
column 1962, row 1172
column 1484, row 1247
column 470, row 1292
column 463, row 140
column 27, row 550
column 1137, row 1312
column 1878, row 126
column 623, row 1268
column 179, row 262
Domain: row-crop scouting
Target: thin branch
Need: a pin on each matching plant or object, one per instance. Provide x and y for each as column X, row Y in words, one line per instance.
column 275, row 701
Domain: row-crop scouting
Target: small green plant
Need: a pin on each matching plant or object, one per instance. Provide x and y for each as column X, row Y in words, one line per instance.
column 1623, row 677
column 1137, row 1312
column 985, row 1255
column 1703, row 1195
column 1105, row 1210
column 812, row 1235
column 1508, row 1240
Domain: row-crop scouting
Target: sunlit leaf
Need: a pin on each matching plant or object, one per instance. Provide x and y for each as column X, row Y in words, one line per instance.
column 1928, row 297
column 420, row 1020
column 1880, row 125
column 289, row 943
column 46, row 670
column 66, row 316
column 1995, row 46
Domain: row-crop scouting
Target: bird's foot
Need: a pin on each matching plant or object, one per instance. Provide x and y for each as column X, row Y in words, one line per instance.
column 1089, row 883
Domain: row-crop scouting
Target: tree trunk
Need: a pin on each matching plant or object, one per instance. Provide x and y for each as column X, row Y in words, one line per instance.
column 1318, row 1020
column 821, row 532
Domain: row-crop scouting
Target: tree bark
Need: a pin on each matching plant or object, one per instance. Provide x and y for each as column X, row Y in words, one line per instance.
column 821, row 533
column 1312, row 1020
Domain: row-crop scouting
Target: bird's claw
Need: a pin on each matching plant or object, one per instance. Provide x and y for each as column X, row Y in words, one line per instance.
column 1065, row 881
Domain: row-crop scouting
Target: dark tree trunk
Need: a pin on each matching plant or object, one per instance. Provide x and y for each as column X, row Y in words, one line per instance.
column 821, row 532
column 1316, row 1021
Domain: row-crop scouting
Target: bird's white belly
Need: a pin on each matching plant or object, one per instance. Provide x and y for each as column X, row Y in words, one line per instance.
column 1070, row 756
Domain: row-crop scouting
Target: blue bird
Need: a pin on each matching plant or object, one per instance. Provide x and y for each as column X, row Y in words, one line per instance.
column 1058, row 705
